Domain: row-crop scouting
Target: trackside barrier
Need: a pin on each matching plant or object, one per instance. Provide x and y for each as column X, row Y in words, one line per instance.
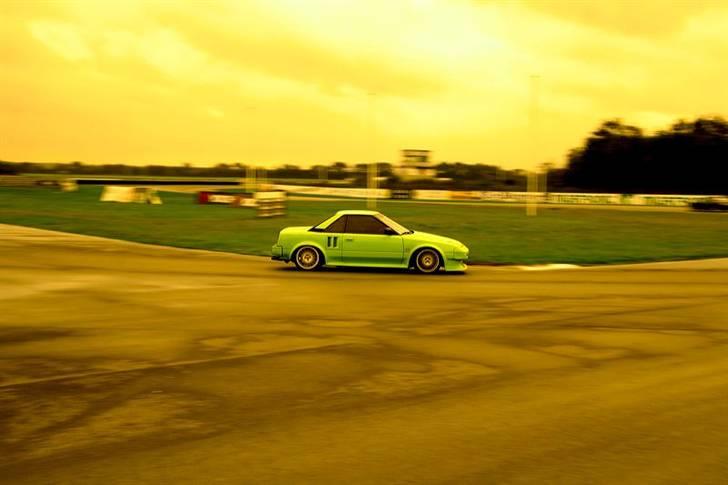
column 563, row 198
column 26, row 181
column 271, row 204
column 667, row 200
column 431, row 194
column 334, row 191
column 207, row 197
column 400, row 194
column 493, row 196
column 244, row 200
column 139, row 195
column 466, row 195
column 576, row 198
column 68, row 185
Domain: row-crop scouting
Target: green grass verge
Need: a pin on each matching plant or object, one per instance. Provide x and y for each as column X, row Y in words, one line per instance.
column 495, row 234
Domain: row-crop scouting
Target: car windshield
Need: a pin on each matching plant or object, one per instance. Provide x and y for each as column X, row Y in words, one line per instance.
column 397, row 227
column 318, row 228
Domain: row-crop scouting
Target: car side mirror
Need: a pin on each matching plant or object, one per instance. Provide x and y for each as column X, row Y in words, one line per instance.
column 389, row 231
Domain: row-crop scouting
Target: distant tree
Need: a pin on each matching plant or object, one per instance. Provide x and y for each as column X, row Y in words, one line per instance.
column 7, row 168
column 689, row 157
column 611, row 158
column 337, row 171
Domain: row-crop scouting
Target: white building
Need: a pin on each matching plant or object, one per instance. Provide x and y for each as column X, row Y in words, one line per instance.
column 415, row 165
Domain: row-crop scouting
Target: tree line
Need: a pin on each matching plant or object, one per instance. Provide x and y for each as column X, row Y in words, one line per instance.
column 455, row 175
column 689, row 157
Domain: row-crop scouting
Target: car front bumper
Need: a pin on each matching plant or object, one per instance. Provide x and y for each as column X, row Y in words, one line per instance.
column 276, row 252
column 461, row 254
column 458, row 260
column 454, row 265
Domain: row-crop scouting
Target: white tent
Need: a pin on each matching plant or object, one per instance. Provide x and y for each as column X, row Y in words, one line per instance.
column 140, row 195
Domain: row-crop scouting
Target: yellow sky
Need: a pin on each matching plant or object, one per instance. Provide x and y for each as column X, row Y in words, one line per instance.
column 289, row 81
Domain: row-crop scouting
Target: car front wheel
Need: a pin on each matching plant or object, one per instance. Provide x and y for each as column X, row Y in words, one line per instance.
column 427, row 261
column 307, row 258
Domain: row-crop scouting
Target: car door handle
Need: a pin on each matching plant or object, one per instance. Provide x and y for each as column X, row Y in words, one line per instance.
column 349, row 239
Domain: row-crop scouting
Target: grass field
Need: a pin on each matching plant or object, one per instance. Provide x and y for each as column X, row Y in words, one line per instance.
column 495, row 234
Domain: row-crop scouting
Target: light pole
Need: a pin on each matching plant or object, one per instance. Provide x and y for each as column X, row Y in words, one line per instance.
column 372, row 166
column 262, row 179
column 532, row 177
column 545, row 169
column 249, row 178
column 250, row 171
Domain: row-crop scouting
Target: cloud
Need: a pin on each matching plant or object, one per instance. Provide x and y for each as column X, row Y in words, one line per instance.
column 448, row 75
column 215, row 112
column 62, row 38
column 242, row 35
column 651, row 120
column 644, row 19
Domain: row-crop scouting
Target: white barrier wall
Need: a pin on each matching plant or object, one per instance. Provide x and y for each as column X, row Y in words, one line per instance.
column 140, row 195
column 508, row 197
column 221, row 198
column 431, row 194
column 334, row 191
column 575, row 198
column 667, row 200
column 494, row 196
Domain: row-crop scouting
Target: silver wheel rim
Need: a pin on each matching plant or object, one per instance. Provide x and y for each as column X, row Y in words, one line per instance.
column 428, row 261
column 307, row 258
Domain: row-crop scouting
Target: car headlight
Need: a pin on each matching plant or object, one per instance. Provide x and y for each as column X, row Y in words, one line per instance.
column 460, row 253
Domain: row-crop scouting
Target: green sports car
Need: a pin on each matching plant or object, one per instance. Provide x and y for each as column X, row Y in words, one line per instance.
column 368, row 238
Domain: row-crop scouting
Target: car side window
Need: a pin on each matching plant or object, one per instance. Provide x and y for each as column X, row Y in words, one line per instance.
column 337, row 226
column 365, row 225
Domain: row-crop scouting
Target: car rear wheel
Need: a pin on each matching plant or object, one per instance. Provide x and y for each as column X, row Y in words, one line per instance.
column 307, row 258
column 427, row 261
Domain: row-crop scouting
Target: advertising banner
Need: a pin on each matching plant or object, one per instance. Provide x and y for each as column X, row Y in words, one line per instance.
column 575, row 198
column 431, row 194
column 501, row 196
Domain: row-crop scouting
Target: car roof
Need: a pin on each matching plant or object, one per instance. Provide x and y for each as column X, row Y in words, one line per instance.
column 357, row 213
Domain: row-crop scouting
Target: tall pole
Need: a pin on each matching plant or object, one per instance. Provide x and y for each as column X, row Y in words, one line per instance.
column 262, row 180
column 545, row 169
column 532, row 178
column 249, row 168
column 371, row 181
column 532, row 188
column 249, row 178
column 372, row 167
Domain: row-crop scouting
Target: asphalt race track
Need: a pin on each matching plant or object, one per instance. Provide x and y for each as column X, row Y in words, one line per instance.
column 125, row 363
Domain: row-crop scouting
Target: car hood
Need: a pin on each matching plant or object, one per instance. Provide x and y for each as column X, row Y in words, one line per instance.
column 426, row 237
column 295, row 229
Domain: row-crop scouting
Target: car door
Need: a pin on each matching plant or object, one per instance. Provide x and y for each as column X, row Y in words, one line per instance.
column 367, row 242
column 333, row 238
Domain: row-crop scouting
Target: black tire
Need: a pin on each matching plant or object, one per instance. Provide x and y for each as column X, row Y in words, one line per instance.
column 307, row 258
column 427, row 261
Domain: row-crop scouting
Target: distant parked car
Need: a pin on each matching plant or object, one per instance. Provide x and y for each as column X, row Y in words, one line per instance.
column 368, row 238
column 712, row 204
